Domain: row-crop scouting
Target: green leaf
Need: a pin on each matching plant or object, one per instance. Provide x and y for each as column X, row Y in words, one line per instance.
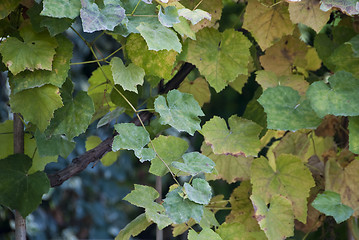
column 290, row 178
column 160, row 219
column 131, row 137
column 158, row 37
column 274, row 22
column 180, row 210
column 96, row 19
column 145, row 154
column 134, row 228
column 56, row 145
column 169, row 17
column 238, row 231
column 276, row 220
column 194, row 16
column 354, row 134
column 19, row 55
column 228, row 167
column 143, row 196
column 349, row 7
column 200, row 191
column 339, row 97
column 109, row 117
column 330, row 204
column 61, row 8
column 44, row 101
column 198, row 88
column 20, row 190
column 184, row 29
column 106, row 160
column 38, row 78
column 205, row 234
column 286, row 111
column 220, row 57
column 157, row 63
column 128, row 77
column 354, row 42
column 170, row 149
column 240, row 139
column 74, row 117
column 7, row 6
column 344, row 60
column 181, row 111
column 195, row 163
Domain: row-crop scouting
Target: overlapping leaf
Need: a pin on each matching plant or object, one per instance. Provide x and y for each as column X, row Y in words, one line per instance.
column 61, row 8
column 143, row 196
column 181, row 111
column 238, row 231
column 198, row 88
column 19, row 189
column 131, row 137
column 135, row 227
column 274, row 22
column 240, row 139
column 290, row 178
column 343, row 59
column 106, row 160
column 339, row 98
column 195, row 163
column 354, row 134
column 286, row 111
column 19, row 55
column 347, row 6
column 56, row 145
column 205, row 234
column 7, row 6
column 220, row 57
column 169, row 17
column 200, row 191
column 194, row 16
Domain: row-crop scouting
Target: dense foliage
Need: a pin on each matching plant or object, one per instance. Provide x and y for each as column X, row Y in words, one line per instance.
column 292, row 152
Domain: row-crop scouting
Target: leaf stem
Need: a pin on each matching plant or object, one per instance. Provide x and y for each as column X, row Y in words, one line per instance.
column 138, row 3
column 197, row 5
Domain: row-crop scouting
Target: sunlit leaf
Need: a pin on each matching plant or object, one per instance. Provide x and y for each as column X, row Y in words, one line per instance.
column 198, row 88
column 290, row 178
column 128, row 77
column 205, row 234
column 131, row 137
column 181, row 210
column 330, row 204
column 194, row 16
column 238, row 231
column 286, row 111
column 240, row 139
column 274, row 22
column 276, row 218
column 169, row 17
column 61, row 8
column 143, row 196
column 200, row 191
column 195, row 163
column 220, row 57
column 19, row 189
column 184, row 29
column 181, row 111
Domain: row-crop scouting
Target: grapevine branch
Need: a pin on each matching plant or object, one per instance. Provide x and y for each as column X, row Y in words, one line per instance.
column 81, row 162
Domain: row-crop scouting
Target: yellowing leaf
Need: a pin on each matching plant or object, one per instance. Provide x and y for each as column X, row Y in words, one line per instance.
column 290, row 178
column 240, row 139
column 345, row 182
column 198, row 88
column 267, row 24
column 309, row 13
column 276, row 218
column 238, row 231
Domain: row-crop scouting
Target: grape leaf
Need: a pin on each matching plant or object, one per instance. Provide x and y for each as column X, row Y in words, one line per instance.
column 344, row 180
column 109, row 117
column 19, row 189
column 145, row 154
column 56, row 145
column 276, row 220
column 194, row 16
column 44, row 101
column 238, row 231
column 339, row 98
column 228, row 167
column 220, row 57
column 268, row 79
column 354, row 134
column 200, row 191
column 195, row 163
column 181, row 111
column 74, row 117
column 274, row 22
column 135, row 227
column 131, row 137
column 349, row 7
column 354, row 42
column 128, row 77
column 96, row 19
column 7, row 6
column 61, row 8
column 158, row 37
column 290, row 178
column 38, row 78
column 169, row 17
column 161, row 219
column 286, row 111
column 157, row 63
column 198, row 88
column 344, row 60
column 19, row 55
column 330, row 204
column 143, row 196
column 180, row 210
column 106, row 160
column 240, row 139
column 205, row 234
column 308, row 12
column 184, row 29
column 170, row 149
